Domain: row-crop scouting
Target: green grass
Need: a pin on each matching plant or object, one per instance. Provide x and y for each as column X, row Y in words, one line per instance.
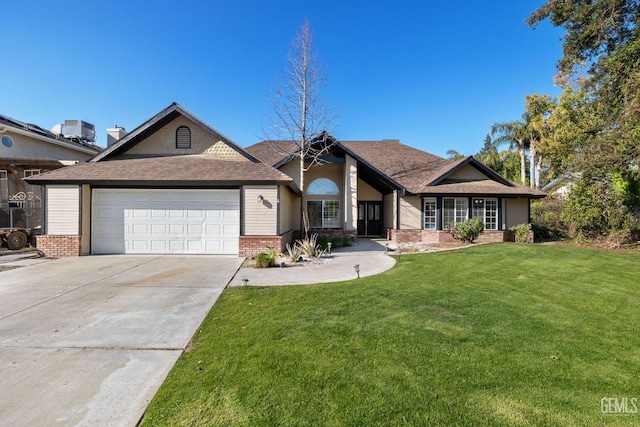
column 504, row 334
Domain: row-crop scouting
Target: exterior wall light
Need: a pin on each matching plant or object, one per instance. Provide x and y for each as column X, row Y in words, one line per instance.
column 260, row 198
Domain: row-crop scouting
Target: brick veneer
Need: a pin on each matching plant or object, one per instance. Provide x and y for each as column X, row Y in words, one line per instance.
column 440, row 236
column 59, row 246
column 250, row 246
column 329, row 232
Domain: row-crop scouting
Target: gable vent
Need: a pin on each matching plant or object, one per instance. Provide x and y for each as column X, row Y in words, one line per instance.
column 183, row 137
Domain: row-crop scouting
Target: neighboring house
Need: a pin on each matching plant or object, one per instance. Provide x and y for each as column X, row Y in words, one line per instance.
column 27, row 150
column 176, row 185
column 561, row 186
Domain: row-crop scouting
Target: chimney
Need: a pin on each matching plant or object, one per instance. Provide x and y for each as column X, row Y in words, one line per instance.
column 114, row 134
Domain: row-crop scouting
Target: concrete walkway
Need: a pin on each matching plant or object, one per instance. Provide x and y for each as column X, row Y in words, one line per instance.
column 369, row 254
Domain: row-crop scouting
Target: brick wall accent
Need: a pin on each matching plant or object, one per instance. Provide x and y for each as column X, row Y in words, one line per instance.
column 250, row 246
column 59, row 246
column 441, row 236
column 333, row 232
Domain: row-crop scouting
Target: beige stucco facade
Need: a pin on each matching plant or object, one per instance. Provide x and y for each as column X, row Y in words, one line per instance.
column 467, row 173
column 410, row 213
column 517, row 211
column 389, row 211
column 163, row 143
column 285, row 209
column 33, row 147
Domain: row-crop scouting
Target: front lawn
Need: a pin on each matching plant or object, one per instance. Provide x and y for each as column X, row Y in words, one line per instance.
column 503, row 334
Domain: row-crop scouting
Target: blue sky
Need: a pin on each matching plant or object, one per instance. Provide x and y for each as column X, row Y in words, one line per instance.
column 433, row 74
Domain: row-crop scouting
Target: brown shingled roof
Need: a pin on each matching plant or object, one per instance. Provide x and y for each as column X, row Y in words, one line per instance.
column 417, row 171
column 271, row 152
column 188, row 170
column 406, row 165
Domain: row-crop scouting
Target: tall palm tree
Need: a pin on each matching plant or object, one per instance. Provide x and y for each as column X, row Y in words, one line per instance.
column 537, row 111
column 516, row 134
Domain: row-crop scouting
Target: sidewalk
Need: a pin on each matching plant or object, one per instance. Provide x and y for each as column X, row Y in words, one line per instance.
column 369, row 254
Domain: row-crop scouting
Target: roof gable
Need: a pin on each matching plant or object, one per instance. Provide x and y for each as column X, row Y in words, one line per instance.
column 156, row 138
column 460, row 171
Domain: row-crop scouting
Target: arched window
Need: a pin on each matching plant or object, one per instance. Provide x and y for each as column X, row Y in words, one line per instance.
column 323, row 187
column 323, row 206
column 183, row 137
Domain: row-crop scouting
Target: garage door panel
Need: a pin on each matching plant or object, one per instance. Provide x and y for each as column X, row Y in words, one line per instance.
column 165, row 221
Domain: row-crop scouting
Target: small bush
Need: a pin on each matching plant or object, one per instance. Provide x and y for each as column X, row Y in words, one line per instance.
column 267, row 259
column 547, row 220
column 467, row 231
column 323, row 242
column 262, row 260
column 293, row 252
column 309, row 246
column 522, row 232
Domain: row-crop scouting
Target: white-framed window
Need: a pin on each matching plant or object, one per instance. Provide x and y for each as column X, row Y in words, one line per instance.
column 454, row 209
column 487, row 210
column 323, row 206
column 324, row 213
column 430, row 213
column 27, row 173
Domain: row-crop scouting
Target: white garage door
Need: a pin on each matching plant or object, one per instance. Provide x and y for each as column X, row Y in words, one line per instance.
column 136, row 221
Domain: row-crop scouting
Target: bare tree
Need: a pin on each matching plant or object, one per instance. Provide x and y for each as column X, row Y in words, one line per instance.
column 299, row 115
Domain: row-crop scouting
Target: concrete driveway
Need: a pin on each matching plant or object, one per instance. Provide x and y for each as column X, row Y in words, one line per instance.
column 88, row 341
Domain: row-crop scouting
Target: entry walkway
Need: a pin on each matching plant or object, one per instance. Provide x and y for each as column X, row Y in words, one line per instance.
column 368, row 254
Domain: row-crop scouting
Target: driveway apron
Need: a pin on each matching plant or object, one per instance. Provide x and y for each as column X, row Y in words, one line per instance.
column 88, row 341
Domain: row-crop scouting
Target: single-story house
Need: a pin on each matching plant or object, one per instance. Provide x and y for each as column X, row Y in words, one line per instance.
column 27, row 150
column 176, row 185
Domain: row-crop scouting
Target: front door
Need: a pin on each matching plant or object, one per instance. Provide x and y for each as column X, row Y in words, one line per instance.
column 369, row 218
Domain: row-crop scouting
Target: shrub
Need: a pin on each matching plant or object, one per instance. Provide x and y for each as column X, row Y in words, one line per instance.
column 309, row 246
column 323, row 242
column 522, row 232
column 267, row 259
column 293, row 252
column 547, row 221
column 467, row 231
column 596, row 209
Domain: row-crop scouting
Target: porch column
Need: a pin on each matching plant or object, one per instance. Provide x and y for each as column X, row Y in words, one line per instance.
column 350, row 193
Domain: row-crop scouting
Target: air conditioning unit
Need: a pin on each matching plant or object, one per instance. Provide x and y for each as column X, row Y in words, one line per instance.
column 79, row 129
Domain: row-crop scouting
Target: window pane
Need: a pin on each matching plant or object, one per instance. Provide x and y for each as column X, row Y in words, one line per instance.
column 491, row 214
column 314, row 210
column 430, row 214
column 448, row 212
column 323, row 187
column 331, row 214
column 462, row 210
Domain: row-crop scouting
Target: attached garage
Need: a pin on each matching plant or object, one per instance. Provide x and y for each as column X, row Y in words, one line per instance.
column 165, row 221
